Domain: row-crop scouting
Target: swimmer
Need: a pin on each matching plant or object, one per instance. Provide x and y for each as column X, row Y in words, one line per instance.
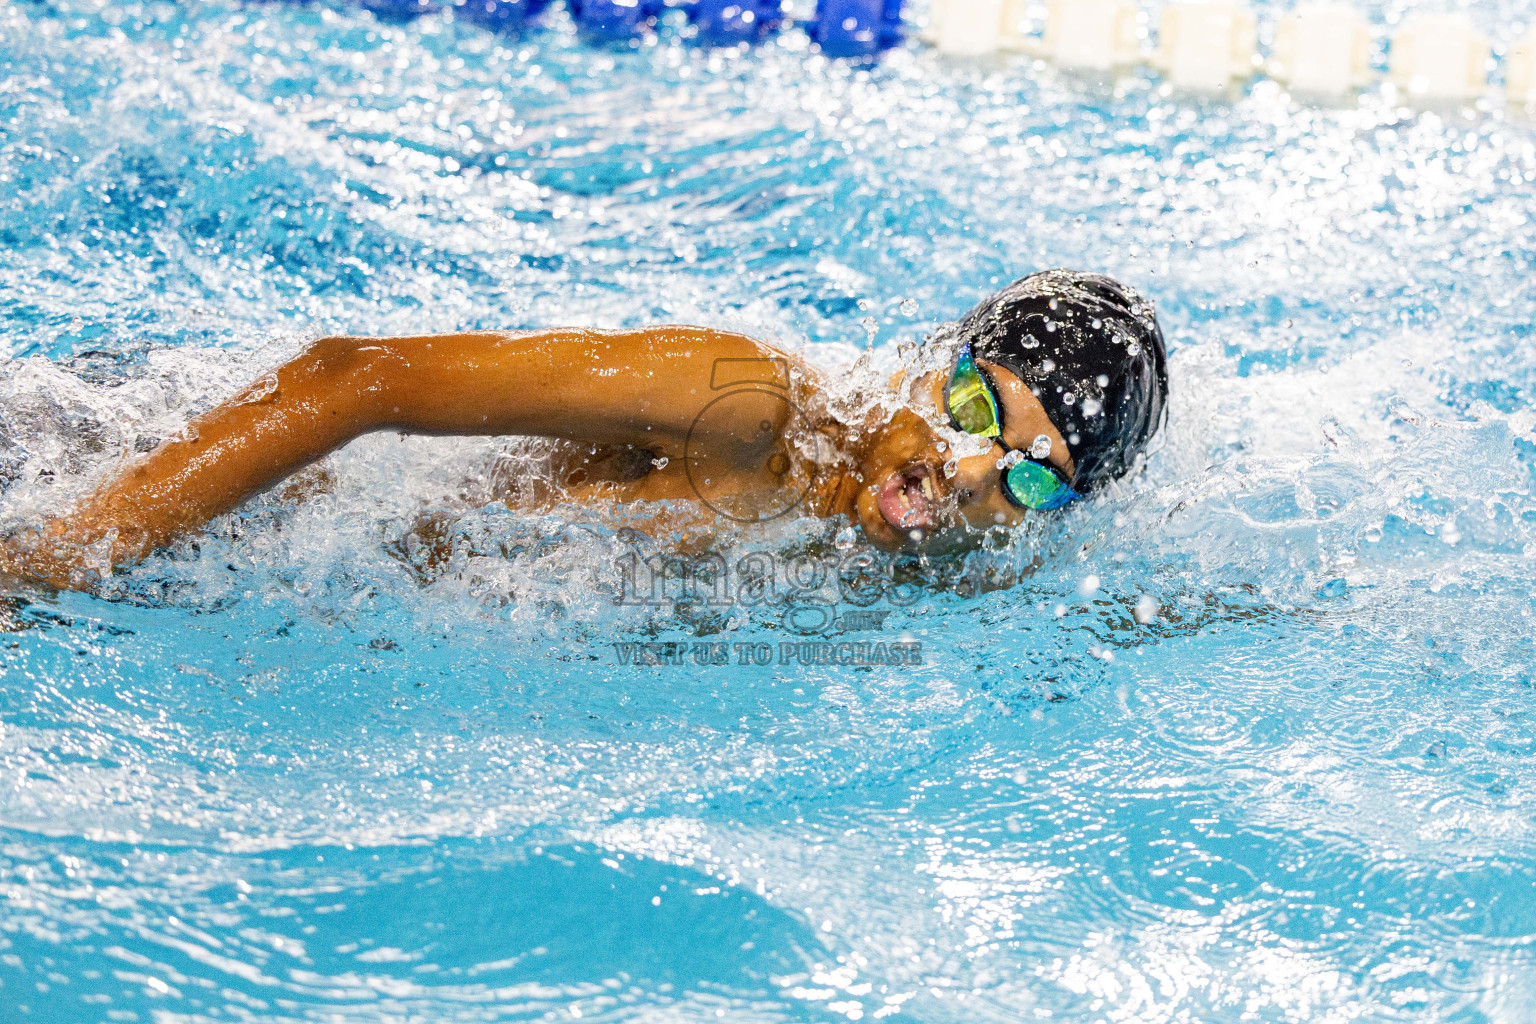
column 1057, row 385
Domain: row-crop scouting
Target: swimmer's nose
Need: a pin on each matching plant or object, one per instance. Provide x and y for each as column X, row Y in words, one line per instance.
column 975, row 477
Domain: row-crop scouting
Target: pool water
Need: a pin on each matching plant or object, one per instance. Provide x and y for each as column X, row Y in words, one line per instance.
column 1254, row 742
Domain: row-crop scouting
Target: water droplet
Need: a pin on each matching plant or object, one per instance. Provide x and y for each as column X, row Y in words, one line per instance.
column 1134, row 348
column 1146, row 609
column 942, row 446
column 909, row 307
column 76, row 324
column 1103, row 380
column 1030, row 341
column 261, row 391
column 1040, row 447
column 1008, row 461
column 871, row 328
column 1050, row 327
column 1089, row 586
column 1092, row 407
column 846, row 537
column 660, row 462
column 1097, row 324
column 863, row 305
column 951, row 468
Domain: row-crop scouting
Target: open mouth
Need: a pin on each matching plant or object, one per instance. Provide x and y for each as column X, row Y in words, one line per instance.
column 910, row 499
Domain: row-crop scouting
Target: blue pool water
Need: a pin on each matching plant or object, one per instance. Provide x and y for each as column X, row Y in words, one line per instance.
column 298, row 770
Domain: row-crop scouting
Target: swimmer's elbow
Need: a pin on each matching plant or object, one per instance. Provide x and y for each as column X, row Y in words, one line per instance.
column 354, row 372
column 346, row 357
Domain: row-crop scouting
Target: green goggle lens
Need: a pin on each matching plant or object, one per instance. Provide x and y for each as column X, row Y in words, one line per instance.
column 971, row 401
column 1037, row 487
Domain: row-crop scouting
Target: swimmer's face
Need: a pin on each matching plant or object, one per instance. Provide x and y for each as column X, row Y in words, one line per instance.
column 906, row 501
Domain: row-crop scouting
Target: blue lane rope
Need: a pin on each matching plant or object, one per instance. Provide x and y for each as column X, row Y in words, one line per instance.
column 856, row 28
column 500, row 15
column 615, row 19
column 397, row 10
column 728, row 22
column 840, row 28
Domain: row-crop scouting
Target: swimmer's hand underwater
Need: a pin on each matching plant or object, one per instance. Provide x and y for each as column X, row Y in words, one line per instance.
column 695, row 414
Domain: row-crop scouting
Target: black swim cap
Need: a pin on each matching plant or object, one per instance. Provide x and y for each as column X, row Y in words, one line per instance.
column 1091, row 351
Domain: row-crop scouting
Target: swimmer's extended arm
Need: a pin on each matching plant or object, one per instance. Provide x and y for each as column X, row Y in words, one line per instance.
column 642, row 387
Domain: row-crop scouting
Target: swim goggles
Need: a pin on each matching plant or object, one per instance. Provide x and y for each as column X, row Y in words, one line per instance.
column 973, row 407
